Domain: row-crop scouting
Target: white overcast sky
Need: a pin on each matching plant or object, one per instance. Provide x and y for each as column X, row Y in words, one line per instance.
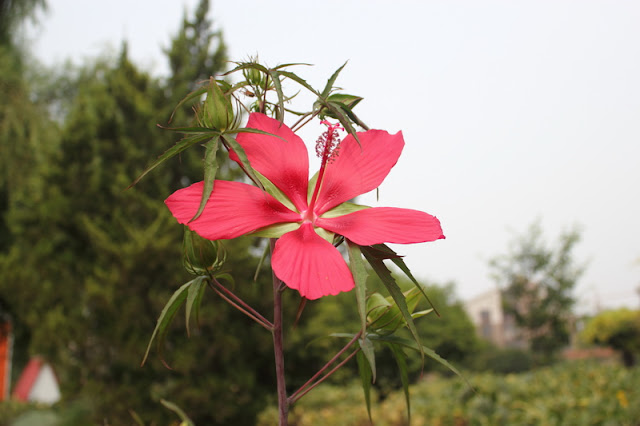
column 512, row 111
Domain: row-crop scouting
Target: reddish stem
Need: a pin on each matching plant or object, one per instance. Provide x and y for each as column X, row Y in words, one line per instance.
column 278, row 350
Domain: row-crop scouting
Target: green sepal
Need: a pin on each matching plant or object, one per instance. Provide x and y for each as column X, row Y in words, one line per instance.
column 342, row 209
column 356, row 264
column 210, row 171
column 398, row 297
column 275, row 231
column 194, row 298
column 365, row 377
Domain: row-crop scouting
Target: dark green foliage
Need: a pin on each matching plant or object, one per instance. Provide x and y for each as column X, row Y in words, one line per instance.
column 537, row 283
column 619, row 329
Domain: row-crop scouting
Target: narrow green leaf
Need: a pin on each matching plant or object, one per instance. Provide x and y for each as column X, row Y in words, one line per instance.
column 398, row 297
column 210, row 171
column 194, row 298
column 365, row 377
column 413, row 345
column 261, row 262
column 401, row 360
column 369, row 352
column 166, row 316
column 195, row 94
column 244, row 161
column 275, row 77
column 300, row 81
column 343, row 119
column 327, row 89
column 186, row 421
column 356, row 264
column 395, row 258
column 183, row 144
column 227, row 277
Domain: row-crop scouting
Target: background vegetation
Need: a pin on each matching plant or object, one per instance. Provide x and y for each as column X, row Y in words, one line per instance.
column 86, row 268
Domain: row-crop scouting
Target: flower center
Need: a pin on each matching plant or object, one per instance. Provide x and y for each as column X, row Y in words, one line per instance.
column 327, row 148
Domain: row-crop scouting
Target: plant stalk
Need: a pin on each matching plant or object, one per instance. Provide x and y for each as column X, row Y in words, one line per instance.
column 278, row 350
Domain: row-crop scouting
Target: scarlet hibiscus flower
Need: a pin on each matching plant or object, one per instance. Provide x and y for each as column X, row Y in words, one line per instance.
column 302, row 211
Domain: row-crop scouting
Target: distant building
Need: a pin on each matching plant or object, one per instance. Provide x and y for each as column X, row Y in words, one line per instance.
column 492, row 323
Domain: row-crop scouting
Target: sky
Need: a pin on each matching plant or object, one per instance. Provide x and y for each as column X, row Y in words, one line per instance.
column 512, row 112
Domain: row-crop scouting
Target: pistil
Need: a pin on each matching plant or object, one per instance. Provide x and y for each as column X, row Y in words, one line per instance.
column 327, row 148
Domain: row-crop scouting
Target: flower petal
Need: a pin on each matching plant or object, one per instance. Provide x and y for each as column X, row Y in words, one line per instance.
column 313, row 266
column 358, row 168
column 284, row 162
column 384, row 225
column 233, row 209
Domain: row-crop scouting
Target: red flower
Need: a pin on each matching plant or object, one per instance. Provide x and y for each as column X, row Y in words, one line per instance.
column 302, row 258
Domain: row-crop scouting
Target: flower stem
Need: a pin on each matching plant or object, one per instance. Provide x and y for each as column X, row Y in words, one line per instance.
column 239, row 304
column 278, row 350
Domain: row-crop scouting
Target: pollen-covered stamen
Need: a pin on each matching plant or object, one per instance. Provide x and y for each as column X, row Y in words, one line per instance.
column 328, row 144
column 327, row 148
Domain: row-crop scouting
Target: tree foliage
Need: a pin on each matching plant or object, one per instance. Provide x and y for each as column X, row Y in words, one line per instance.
column 538, row 283
column 619, row 329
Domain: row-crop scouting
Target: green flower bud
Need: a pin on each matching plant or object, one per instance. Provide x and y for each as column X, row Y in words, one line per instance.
column 217, row 111
column 202, row 256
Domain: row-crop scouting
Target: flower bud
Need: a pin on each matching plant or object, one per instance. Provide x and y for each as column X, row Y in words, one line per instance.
column 202, row 256
column 217, row 111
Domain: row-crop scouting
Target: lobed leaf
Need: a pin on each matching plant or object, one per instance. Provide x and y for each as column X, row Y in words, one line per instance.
column 327, row 89
column 401, row 360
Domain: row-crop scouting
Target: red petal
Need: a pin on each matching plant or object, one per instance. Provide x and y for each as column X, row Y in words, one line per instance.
column 284, row 162
column 384, row 225
column 233, row 209
column 358, row 168
column 310, row 264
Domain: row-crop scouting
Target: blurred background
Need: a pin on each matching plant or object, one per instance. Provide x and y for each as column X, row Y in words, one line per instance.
column 521, row 129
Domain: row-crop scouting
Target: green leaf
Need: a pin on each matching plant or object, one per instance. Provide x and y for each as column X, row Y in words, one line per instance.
column 369, row 353
column 398, row 297
column 416, row 347
column 265, row 252
column 401, row 360
column 242, row 156
column 186, row 421
column 275, row 77
column 194, row 298
column 210, row 171
column 356, row 264
column 327, row 89
column 300, row 81
column 183, row 144
column 397, row 259
column 166, row 316
column 365, row 377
